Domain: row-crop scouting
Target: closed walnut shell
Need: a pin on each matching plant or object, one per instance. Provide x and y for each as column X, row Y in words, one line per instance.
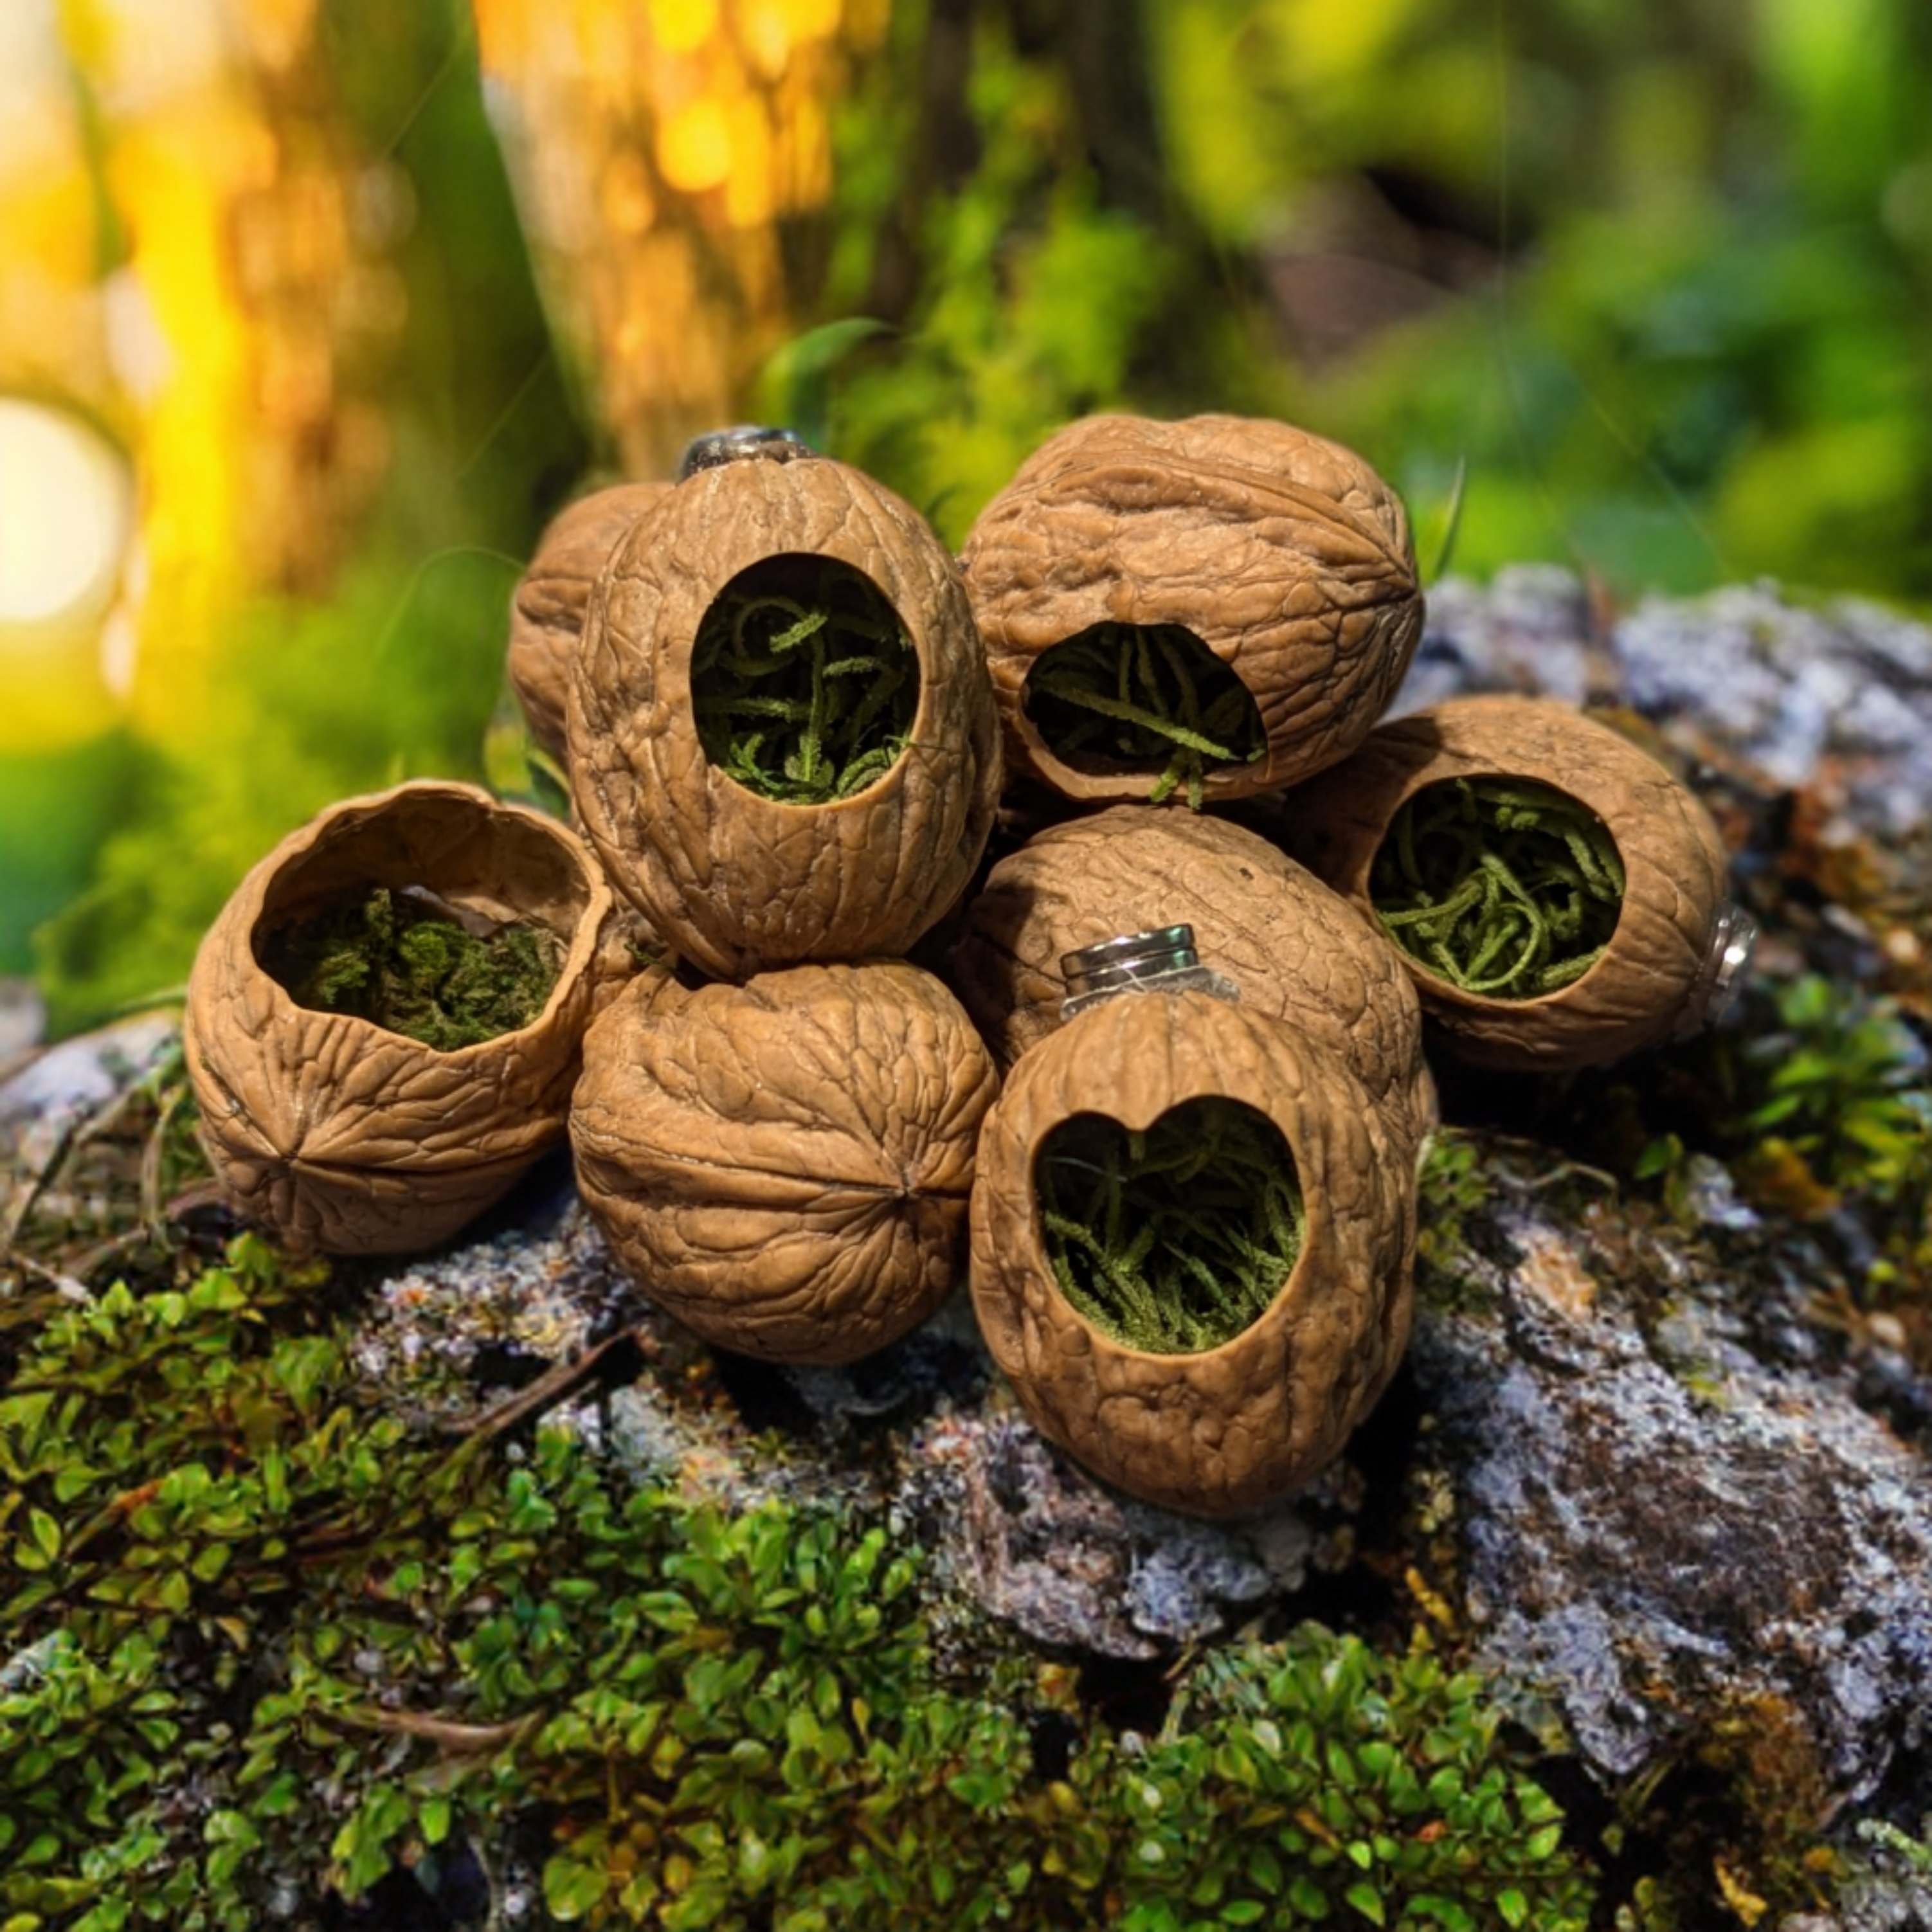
column 1284, row 553
column 736, row 882
column 784, row 1166
column 1228, row 1428
column 1296, row 951
column 546, row 610
column 333, row 1133
column 1657, row 972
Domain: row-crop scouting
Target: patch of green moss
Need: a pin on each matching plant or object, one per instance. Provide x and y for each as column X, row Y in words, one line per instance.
column 803, row 681
column 399, row 963
column 1505, row 888
column 258, row 1642
column 1175, row 1239
column 1143, row 697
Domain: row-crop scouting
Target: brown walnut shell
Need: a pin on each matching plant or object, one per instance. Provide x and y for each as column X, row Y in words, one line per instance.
column 334, row 1134
column 1659, row 962
column 1228, row 1428
column 1285, row 553
column 738, row 883
column 546, row 610
column 785, row 1165
column 1297, row 951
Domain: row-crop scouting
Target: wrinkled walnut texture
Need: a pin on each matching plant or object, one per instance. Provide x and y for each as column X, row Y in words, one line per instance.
column 1230, row 1428
column 784, row 1166
column 1285, row 553
column 1297, row 951
column 737, row 883
column 1675, row 870
column 546, row 611
column 335, row 1134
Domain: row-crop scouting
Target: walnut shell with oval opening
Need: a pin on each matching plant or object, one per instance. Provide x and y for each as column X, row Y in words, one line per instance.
column 784, row 1166
column 335, row 1134
column 739, row 883
column 547, row 607
column 1283, row 553
column 1657, row 971
column 1228, row 1428
column 1297, row 951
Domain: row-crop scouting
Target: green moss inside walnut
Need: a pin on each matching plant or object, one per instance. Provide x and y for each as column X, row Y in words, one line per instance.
column 1177, row 1237
column 1506, row 888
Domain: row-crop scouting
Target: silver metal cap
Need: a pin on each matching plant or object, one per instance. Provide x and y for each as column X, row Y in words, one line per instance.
column 743, row 442
column 1133, row 957
column 1727, row 960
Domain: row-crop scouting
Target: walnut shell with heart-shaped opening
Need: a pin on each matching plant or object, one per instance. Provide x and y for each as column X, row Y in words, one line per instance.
column 739, row 881
column 784, row 1166
column 337, row 1134
column 1658, row 970
column 1228, row 1428
column 1229, row 542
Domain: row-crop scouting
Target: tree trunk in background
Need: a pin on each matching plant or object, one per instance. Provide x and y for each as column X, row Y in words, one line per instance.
column 671, row 159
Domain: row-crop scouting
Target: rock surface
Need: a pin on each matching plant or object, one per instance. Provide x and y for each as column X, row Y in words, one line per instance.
column 1677, row 1514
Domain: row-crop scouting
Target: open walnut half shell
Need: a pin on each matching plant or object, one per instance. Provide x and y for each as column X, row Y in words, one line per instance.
column 336, row 1134
column 1253, row 584
column 1536, row 818
column 1227, row 1429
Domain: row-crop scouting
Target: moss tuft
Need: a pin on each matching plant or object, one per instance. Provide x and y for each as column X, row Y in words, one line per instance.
column 803, row 681
column 399, row 964
column 1176, row 1239
column 1143, row 697
column 1504, row 888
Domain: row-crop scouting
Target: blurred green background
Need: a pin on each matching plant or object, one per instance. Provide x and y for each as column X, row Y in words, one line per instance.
column 342, row 301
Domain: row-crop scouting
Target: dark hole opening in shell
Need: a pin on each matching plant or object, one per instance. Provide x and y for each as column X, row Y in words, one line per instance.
column 1174, row 1239
column 1505, row 888
column 803, row 681
column 1143, row 697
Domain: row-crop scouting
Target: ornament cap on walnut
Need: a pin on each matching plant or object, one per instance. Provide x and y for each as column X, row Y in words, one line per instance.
column 1283, row 553
column 1231, row 1428
column 1297, row 951
column 1659, row 960
column 739, row 883
column 784, row 1166
column 335, row 1134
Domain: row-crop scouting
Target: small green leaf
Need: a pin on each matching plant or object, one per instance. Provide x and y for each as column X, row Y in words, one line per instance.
column 1364, row 1897
column 571, row 1889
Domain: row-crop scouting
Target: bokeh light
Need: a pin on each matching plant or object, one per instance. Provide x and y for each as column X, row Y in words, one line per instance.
column 64, row 497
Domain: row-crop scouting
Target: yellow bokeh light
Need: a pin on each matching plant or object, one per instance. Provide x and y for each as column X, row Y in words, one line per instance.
column 682, row 26
column 694, row 147
column 63, row 515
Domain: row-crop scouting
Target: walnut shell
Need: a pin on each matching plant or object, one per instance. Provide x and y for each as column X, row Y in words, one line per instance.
column 1659, row 961
column 1228, row 1428
column 1286, row 554
column 546, row 610
column 334, row 1134
column 1297, row 951
column 784, row 1166
column 738, row 883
